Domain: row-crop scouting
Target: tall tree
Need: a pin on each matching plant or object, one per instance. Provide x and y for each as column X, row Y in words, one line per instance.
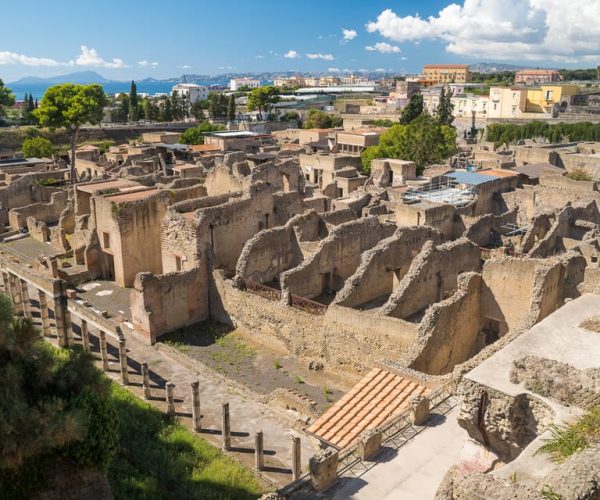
column 231, row 108
column 37, row 147
column 263, row 99
column 71, row 106
column 30, row 104
column 445, row 107
column 134, row 105
column 166, row 110
column 412, row 110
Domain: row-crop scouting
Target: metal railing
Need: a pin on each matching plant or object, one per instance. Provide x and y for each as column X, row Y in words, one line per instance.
column 307, row 305
column 263, row 290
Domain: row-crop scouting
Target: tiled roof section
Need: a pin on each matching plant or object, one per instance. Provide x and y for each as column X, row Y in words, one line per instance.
column 377, row 398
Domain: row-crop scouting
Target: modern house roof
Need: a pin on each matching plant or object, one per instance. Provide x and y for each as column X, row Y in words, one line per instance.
column 379, row 397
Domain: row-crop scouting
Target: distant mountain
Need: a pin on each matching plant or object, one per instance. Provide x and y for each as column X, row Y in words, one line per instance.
column 78, row 77
column 493, row 67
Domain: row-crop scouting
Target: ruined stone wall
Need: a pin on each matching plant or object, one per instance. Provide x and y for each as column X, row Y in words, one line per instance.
column 225, row 228
column 385, row 264
column 439, row 216
column 432, row 276
column 220, row 180
column 163, row 303
column 481, row 230
column 449, row 330
column 25, row 191
column 43, row 212
column 346, row 341
column 194, row 204
column 562, row 183
column 340, row 216
column 179, row 243
column 575, row 161
column 336, row 259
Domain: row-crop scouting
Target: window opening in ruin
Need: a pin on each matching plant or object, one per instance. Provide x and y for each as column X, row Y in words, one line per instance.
column 325, row 282
column 212, row 236
column 106, row 240
column 266, row 221
column 391, row 177
column 483, row 404
column 178, row 263
column 286, row 183
column 340, row 192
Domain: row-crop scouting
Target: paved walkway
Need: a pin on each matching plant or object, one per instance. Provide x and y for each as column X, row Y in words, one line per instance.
column 247, row 415
column 414, row 471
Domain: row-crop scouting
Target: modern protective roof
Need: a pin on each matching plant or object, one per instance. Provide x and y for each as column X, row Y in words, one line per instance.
column 379, row 397
column 470, row 178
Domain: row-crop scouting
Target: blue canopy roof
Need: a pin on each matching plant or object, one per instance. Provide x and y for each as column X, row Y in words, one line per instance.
column 470, row 178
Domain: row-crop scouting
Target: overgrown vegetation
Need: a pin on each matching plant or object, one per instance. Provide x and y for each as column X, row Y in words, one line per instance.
column 570, row 439
column 37, row 147
column 195, row 135
column 53, row 405
column 320, row 119
column 424, row 140
column 508, row 133
column 160, row 458
column 579, row 175
column 50, row 181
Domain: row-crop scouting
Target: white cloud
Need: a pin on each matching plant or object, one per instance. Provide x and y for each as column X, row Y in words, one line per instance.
column 333, row 70
column 13, row 58
column 291, row 54
column 185, row 66
column 536, row 30
column 259, row 56
column 224, row 67
column 325, row 57
column 380, row 70
column 86, row 57
column 349, row 34
column 147, row 64
column 384, row 48
column 89, row 57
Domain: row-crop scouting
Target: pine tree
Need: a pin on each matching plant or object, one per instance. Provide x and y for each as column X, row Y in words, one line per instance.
column 30, row 104
column 412, row 110
column 231, row 108
column 445, row 107
column 134, row 111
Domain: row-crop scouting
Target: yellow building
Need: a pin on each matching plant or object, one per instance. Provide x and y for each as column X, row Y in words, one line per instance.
column 549, row 98
column 445, row 73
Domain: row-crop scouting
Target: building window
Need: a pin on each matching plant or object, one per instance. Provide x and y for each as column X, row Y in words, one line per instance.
column 548, row 95
column 106, row 240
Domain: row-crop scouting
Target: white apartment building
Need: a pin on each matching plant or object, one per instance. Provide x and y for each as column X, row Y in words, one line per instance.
column 237, row 83
column 191, row 91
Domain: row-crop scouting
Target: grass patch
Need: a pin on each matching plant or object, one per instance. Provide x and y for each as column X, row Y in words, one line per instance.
column 277, row 365
column 299, row 379
column 579, row 175
column 570, row 439
column 160, row 459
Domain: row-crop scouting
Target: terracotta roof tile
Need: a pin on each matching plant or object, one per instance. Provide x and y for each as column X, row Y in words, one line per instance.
column 377, row 398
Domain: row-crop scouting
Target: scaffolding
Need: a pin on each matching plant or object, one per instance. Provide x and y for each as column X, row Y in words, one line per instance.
column 514, row 229
column 445, row 190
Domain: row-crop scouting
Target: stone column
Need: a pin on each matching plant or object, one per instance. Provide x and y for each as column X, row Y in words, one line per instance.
column 146, row 380
column 123, row 361
column 419, row 410
column 68, row 324
column 85, row 335
column 259, row 451
column 196, row 415
column 226, row 427
column 6, row 283
column 296, row 464
column 103, row 350
column 169, row 388
column 15, row 293
column 43, row 300
column 323, row 469
column 60, row 325
column 25, row 298
column 369, row 444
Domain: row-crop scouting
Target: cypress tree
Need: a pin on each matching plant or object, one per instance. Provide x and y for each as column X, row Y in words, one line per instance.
column 134, row 111
column 231, row 108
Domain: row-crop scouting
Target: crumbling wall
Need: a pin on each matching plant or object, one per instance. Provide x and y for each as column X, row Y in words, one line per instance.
column 43, row 212
column 344, row 340
column 432, row 277
column 163, row 303
column 385, row 264
column 449, row 331
column 336, row 259
column 225, row 228
column 505, row 424
column 485, row 230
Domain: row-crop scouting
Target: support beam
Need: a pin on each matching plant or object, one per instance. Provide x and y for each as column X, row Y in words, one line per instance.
column 103, row 350
column 6, row 283
column 169, row 389
column 60, row 324
column 296, row 463
column 85, row 335
column 146, row 380
column 43, row 300
column 226, row 427
column 123, row 362
column 259, row 451
column 196, row 415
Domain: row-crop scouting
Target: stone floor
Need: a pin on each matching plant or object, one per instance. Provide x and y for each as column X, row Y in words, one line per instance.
column 414, row 471
column 247, row 415
column 107, row 296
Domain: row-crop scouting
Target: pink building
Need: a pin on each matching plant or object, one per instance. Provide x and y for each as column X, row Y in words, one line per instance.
column 536, row 76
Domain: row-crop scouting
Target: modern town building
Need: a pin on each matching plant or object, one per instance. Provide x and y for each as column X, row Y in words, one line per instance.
column 237, row 83
column 536, row 76
column 434, row 74
column 191, row 91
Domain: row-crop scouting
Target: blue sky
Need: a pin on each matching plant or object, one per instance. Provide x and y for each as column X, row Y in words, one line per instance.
column 134, row 39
